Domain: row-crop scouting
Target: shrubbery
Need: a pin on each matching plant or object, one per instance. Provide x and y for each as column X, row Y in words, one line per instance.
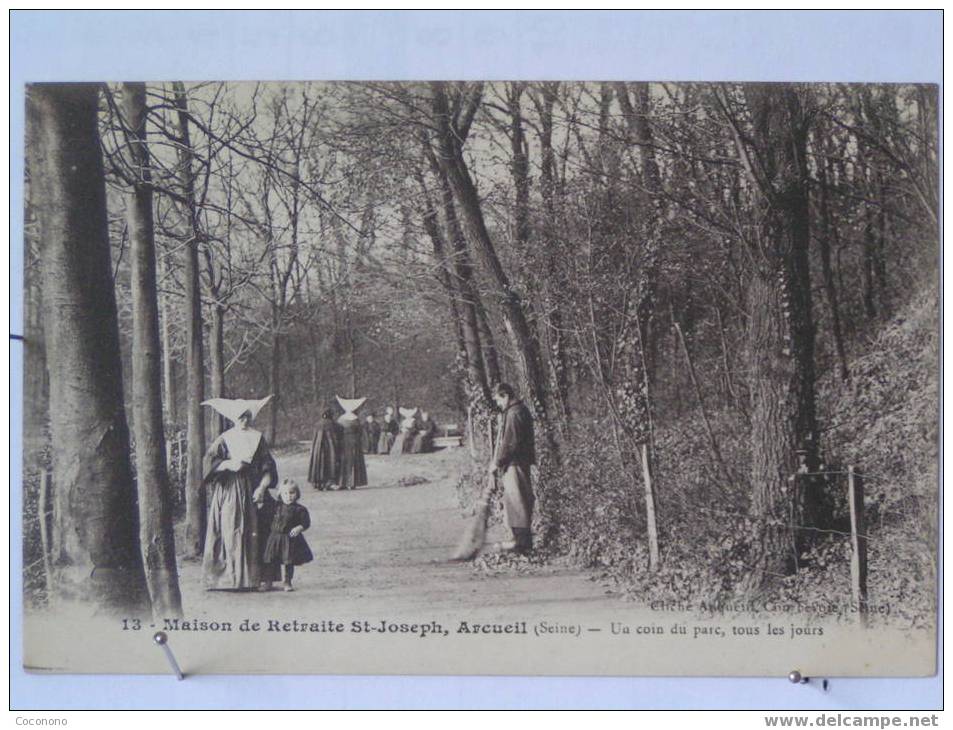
column 884, row 422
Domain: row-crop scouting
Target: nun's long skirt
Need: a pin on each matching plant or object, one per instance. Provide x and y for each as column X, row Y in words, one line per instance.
column 385, row 442
column 353, row 466
column 403, row 443
column 518, row 498
column 232, row 540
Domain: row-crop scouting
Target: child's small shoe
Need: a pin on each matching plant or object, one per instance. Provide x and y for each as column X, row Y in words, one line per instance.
column 287, row 587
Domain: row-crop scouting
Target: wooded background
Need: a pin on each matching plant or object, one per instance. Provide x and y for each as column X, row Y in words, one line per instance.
column 714, row 298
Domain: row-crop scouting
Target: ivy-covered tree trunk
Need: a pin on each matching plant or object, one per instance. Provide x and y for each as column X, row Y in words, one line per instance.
column 640, row 373
column 780, row 332
column 98, row 560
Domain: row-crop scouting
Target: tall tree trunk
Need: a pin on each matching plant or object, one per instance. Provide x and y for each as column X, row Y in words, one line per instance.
column 641, row 368
column 827, row 273
column 868, row 266
column 36, row 385
column 220, row 291
column 274, row 361
column 98, row 561
column 463, row 267
column 780, row 332
column 462, row 311
column 520, row 334
column 880, row 249
column 552, row 330
column 460, row 270
column 168, row 362
column 274, row 386
column 927, row 98
column 879, row 110
column 315, row 371
column 863, row 167
column 351, row 360
column 519, row 167
column 277, row 319
column 217, row 361
column 491, row 359
column 640, row 131
column 152, row 479
column 195, row 357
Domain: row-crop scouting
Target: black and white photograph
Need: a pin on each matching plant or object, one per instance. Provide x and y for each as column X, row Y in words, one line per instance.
column 481, row 377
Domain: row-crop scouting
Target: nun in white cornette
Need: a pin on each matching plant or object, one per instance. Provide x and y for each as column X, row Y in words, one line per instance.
column 237, row 471
column 353, row 468
column 404, row 442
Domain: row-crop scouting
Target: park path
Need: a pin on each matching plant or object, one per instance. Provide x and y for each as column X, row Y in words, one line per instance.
column 383, row 550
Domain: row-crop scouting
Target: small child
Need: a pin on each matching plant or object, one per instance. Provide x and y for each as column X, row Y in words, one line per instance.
column 286, row 545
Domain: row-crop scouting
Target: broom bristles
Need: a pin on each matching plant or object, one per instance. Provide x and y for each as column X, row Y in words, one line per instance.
column 474, row 536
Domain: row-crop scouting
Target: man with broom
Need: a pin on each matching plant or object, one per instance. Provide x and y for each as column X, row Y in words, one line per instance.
column 513, row 456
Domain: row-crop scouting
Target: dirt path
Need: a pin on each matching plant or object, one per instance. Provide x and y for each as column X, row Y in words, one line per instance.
column 383, row 550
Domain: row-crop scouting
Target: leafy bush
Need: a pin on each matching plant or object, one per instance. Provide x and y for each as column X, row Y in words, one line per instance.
column 883, row 421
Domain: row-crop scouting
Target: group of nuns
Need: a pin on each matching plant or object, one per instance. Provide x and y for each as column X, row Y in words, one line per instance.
column 339, row 445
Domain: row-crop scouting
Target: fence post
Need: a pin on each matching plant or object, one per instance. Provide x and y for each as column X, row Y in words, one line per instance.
column 858, row 541
column 43, row 514
column 651, row 524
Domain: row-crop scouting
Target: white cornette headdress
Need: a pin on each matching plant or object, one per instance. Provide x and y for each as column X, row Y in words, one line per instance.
column 408, row 412
column 232, row 408
column 350, row 405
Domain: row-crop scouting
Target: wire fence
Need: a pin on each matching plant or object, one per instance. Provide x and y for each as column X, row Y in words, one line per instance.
column 852, row 480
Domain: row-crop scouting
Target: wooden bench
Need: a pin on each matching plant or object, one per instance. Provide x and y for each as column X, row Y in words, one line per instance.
column 452, row 437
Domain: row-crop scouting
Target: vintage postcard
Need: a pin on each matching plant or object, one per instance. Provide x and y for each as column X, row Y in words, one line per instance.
column 516, row 378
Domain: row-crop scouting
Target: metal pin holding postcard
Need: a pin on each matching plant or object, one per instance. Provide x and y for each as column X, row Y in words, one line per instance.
column 796, row 677
column 162, row 640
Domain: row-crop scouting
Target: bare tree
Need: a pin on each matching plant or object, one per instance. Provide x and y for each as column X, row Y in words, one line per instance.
column 452, row 127
column 155, row 511
column 195, row 358
column 552, row 330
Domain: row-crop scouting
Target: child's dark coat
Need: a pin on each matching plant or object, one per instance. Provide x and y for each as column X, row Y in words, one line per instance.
column 281, row 548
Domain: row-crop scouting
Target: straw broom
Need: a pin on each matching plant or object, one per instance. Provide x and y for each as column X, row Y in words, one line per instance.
column 473, row 538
